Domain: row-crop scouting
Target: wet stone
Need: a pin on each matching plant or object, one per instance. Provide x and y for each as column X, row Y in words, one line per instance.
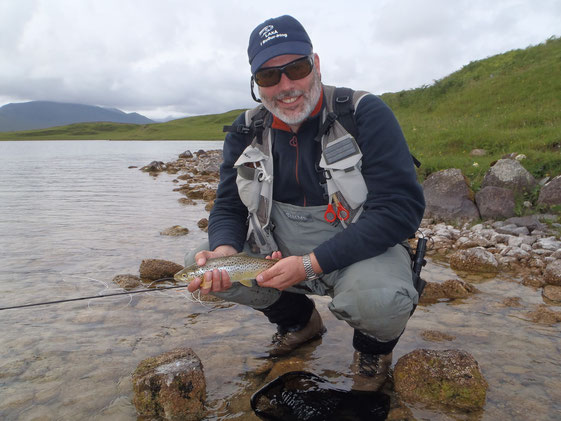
column 448, row 290
column 449, row 378
column 203, row 224
column 155, row 269
column 171, row 386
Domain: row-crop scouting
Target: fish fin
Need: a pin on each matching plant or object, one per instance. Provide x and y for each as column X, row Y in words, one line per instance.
column 241, row 254
column 247, row 282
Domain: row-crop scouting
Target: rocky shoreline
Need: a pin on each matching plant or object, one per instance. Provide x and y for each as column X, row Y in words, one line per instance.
column 528, row 245
column 481, row 236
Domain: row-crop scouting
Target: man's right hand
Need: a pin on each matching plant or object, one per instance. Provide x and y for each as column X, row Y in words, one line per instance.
column 215, row 281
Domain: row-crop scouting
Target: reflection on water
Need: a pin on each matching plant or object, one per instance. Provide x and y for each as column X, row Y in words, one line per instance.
column 73, row 215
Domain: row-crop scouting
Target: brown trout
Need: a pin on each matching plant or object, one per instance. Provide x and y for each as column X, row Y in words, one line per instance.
column 241, row 268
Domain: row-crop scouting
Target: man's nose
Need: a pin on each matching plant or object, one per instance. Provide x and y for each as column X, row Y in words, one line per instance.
column 285, row 83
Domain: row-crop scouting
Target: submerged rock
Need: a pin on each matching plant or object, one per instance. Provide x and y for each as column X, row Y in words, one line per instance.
column 511, row 302
column 552, row 292
column 544, row 315
column 450, row 378
column 127, row 281
column 171, row 386
column 175, row 231
column 436, row 336
column 155, row 269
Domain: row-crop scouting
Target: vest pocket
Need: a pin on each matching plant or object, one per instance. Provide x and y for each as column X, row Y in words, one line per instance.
column 351, row 184
column 342, row 159
column 249, row 186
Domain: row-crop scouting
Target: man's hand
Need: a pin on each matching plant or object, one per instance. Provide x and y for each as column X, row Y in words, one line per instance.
column 285, row 273
column 215, row 280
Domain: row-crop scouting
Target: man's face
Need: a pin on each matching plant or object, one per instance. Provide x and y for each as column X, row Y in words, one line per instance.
column 292, row 101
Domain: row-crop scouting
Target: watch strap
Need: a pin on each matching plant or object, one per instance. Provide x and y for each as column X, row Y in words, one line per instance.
column 308, row 268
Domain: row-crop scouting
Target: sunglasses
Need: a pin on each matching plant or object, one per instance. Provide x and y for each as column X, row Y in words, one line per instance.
column 295, row 70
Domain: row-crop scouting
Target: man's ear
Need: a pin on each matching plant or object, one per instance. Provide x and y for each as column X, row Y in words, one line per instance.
column 316, row 63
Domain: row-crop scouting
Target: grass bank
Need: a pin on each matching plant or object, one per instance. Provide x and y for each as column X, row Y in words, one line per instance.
column 205, row 127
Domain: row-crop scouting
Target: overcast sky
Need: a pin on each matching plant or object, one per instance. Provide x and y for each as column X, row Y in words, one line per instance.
column 182, row 57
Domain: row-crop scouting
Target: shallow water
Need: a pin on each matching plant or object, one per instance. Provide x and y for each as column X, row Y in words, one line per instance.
column 73, row 215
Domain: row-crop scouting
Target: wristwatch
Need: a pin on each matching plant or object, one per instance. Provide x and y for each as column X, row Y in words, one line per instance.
column 310, row 274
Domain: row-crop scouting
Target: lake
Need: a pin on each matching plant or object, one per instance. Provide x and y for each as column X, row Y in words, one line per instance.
column 73, row 215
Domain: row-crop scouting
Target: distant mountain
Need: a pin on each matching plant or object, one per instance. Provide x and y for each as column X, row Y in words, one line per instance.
column 44, row 114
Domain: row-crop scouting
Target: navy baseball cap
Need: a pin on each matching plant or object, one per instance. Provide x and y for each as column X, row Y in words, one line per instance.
column 275, row 37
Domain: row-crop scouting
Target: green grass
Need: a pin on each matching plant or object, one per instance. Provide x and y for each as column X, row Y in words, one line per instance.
column 507, row 103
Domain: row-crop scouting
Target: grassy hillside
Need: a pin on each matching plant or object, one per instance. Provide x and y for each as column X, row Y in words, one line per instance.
column 206, row 127
column 506, row 103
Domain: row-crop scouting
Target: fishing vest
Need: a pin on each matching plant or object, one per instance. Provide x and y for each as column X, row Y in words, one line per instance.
column 340, row 165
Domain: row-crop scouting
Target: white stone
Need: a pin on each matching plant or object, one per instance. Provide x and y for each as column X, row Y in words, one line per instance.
column 549, row 243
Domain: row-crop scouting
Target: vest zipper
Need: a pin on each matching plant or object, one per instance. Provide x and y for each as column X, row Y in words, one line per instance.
column 294, row 143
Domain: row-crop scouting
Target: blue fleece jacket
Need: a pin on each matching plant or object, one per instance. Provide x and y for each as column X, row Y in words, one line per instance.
column 394, row 205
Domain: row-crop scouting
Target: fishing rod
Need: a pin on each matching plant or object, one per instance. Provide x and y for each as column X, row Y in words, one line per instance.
column 44, row 303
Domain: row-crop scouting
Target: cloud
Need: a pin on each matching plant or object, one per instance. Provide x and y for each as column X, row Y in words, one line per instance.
column 187, row 57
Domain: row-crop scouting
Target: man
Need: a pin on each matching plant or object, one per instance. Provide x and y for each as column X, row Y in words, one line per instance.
column 335, row 208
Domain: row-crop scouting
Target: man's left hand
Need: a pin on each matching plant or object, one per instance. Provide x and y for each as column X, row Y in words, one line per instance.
column 285, row 273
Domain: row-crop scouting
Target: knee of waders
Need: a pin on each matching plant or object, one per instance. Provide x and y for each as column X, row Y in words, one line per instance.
column 190, row 255
column 380, row 312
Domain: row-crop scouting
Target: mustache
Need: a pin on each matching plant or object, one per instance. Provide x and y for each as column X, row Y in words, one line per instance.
column 285, row 94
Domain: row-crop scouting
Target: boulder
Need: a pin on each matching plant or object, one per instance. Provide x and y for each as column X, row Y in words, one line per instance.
column 475, row 259
column 550, row 194
column 171, row 386
column 185, row 155
column 449, row 378
column 175, row 231
column 512, row 229
column 532, row 222
column 156, row 269
column 448, row 196
column 509, row 174
column 552, row 273
column 495, row 202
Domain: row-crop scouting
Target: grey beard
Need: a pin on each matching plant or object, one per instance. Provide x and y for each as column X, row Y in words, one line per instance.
column 311, row 100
